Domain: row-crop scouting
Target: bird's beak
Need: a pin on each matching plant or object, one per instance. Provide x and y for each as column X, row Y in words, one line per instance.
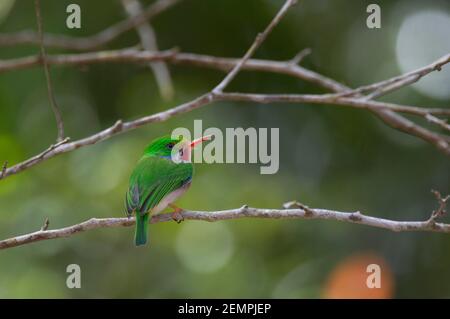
column 197, row 141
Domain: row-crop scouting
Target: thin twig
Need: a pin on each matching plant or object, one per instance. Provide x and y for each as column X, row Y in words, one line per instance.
column 383, row 87
column 300, row 56
column 255, row 45
column 117, row 128
column 388, row 110
column 442, row 206
column 51, row 97
column 46, row 224
column 437, row 121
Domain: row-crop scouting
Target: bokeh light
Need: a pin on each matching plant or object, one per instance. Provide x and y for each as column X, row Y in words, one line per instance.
column 423, row 37
column 349, row 278
column 5, row 8
column 204, row 247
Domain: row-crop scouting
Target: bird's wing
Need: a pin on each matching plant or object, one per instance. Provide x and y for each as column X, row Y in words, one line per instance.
column 152, row 179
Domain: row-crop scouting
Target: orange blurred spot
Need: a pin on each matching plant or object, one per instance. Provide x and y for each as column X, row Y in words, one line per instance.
column 351, row 277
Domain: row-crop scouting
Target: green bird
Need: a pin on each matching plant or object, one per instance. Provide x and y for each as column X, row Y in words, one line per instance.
column 162, row 175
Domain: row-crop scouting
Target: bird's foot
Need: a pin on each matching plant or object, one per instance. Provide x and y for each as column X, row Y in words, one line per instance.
column 177, row 213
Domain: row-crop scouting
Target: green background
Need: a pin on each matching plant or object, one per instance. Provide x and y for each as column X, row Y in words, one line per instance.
column 330, row 157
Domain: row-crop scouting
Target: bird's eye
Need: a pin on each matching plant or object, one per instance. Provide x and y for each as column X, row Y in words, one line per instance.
column 170, row 146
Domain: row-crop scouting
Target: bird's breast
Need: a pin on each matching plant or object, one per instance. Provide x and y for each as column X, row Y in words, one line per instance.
column 170, row 198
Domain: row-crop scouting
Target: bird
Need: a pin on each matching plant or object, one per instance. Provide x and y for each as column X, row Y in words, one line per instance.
column 160, row 177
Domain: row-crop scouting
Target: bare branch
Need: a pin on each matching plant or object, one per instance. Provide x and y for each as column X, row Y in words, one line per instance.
column 92, row 42
column 437, row 121
column 294, row 210
column 380, row 108
column 255, row 45
column 51, row 97
column 331, row 100
column 220, row 63
column 117, row 128
column 33, row 160
column 225, row 64
column 298, row 58
column 46, row 224
column 206, row 99
column 380, row 88
column 148, row 41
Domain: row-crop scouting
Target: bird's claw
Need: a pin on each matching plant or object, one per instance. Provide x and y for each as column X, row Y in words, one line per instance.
column 177, row 217
column 177, row 213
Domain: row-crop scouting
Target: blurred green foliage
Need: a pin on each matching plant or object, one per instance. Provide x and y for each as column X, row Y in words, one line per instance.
column 331, row 157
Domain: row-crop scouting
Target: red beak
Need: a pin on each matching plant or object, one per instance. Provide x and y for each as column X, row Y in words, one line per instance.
column 197, row 141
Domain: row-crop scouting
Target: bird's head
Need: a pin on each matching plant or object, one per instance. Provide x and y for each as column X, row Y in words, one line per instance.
column 177, row 149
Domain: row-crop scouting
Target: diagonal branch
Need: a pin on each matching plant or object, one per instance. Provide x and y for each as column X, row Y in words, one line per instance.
column 260, row 38
column 43, row 57
column 148, row 41
column 442, row 207
column 381, row 88
column 118, row 128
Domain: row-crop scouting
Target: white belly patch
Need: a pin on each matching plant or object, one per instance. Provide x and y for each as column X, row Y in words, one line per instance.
column 170, row 198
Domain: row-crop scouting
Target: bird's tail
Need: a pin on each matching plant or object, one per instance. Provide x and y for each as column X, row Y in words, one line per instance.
column 140, row 237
